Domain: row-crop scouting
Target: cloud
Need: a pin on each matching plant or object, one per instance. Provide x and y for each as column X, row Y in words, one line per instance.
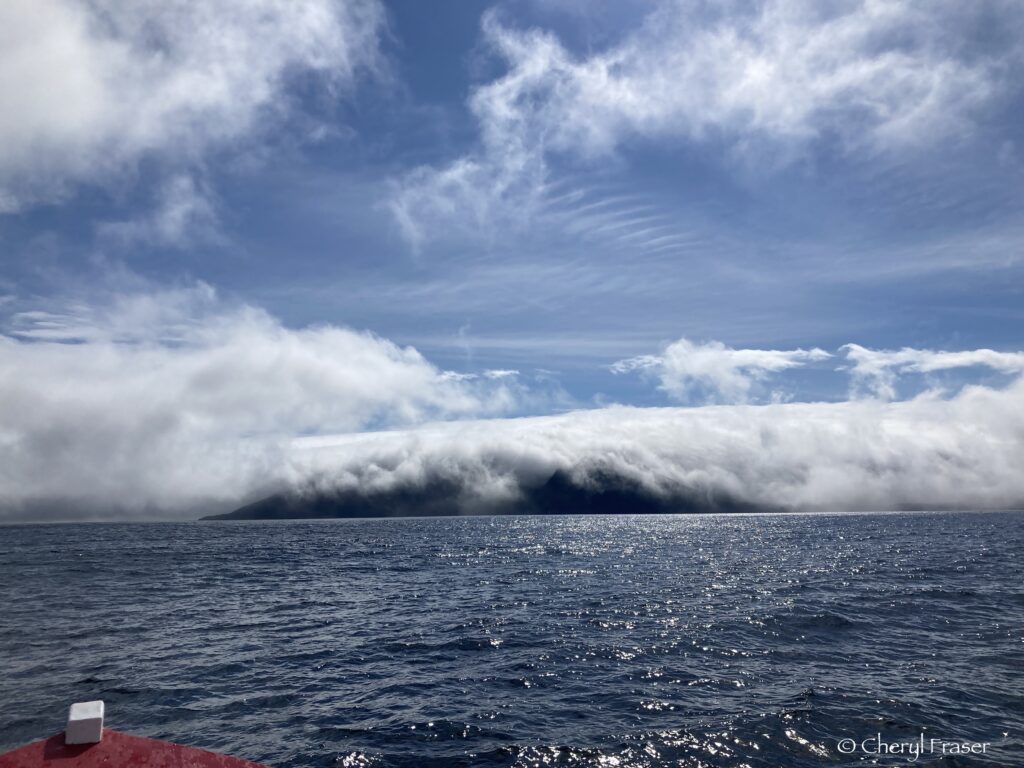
column 685, row 368
column 177, row 402
column 687, row 371
column 168, row 399
column 490, row 373
column 771, row 77
column 877, row 370
column 185, row 214
column 963, row 452
column 88, row 90
column 500, row 373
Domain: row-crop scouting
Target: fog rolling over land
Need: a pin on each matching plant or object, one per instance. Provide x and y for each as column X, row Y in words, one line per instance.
column 204, row 425
column 925, row 454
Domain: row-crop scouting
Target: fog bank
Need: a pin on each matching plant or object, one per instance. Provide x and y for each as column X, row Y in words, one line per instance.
column 963, row 452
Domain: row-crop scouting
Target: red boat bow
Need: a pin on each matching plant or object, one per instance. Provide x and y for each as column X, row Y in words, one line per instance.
column 117, row 750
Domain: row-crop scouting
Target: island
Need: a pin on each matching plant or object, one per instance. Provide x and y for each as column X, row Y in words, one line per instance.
column 596, row 494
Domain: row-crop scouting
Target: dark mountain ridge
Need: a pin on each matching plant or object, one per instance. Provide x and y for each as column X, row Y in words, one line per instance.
column 598, row 493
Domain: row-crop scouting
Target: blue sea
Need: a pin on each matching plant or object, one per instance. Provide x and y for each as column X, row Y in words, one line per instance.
column 718, row 640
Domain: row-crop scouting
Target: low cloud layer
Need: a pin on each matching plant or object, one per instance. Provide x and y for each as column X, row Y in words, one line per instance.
column 865, row 455
column 165, row 400
column 178, row 403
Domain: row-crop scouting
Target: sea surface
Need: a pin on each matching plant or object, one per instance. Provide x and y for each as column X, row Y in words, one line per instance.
column 753, row 640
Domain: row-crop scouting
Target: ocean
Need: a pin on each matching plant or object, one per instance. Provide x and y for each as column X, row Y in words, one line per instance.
column 714, row 640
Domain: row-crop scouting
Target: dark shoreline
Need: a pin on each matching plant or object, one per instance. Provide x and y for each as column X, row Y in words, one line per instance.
column 600, row 494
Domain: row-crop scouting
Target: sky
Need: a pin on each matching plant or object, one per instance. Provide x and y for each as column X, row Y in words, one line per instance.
column 228, row 230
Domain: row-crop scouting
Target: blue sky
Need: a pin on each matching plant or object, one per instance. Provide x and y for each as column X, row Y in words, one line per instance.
column 551, row 188
column 796, row 240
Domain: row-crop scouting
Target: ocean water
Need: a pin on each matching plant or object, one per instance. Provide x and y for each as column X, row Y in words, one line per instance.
column 577, row 641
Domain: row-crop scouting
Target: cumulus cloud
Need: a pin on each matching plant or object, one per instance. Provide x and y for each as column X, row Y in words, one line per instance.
column 876, row 370
column 963, row 452
column 779, row 73
column 89, row 89
column 686, row 369
column 166, row 399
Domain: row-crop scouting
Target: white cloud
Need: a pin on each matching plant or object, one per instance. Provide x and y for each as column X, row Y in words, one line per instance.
column 963, row 452
column 185, row 214
column 177, row 402
column 501, row 373
column 166, row 399
column 778, row 74
column 877, row 370
column 491, row 373
column 686, row 369
column 89, row 89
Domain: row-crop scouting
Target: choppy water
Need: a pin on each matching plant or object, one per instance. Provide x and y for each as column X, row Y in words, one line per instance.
column 629, row 641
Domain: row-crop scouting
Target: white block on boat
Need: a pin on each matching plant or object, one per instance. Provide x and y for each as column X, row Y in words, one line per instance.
column 85, row 723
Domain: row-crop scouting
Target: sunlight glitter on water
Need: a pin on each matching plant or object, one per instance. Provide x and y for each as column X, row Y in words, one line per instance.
column 714, row 641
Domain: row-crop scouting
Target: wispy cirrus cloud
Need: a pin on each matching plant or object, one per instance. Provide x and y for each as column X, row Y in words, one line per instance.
column 782, row 74
column 185, row 214
column 88, row 90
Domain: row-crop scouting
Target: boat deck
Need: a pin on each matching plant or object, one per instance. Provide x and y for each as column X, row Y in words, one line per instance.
column 117, row 749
